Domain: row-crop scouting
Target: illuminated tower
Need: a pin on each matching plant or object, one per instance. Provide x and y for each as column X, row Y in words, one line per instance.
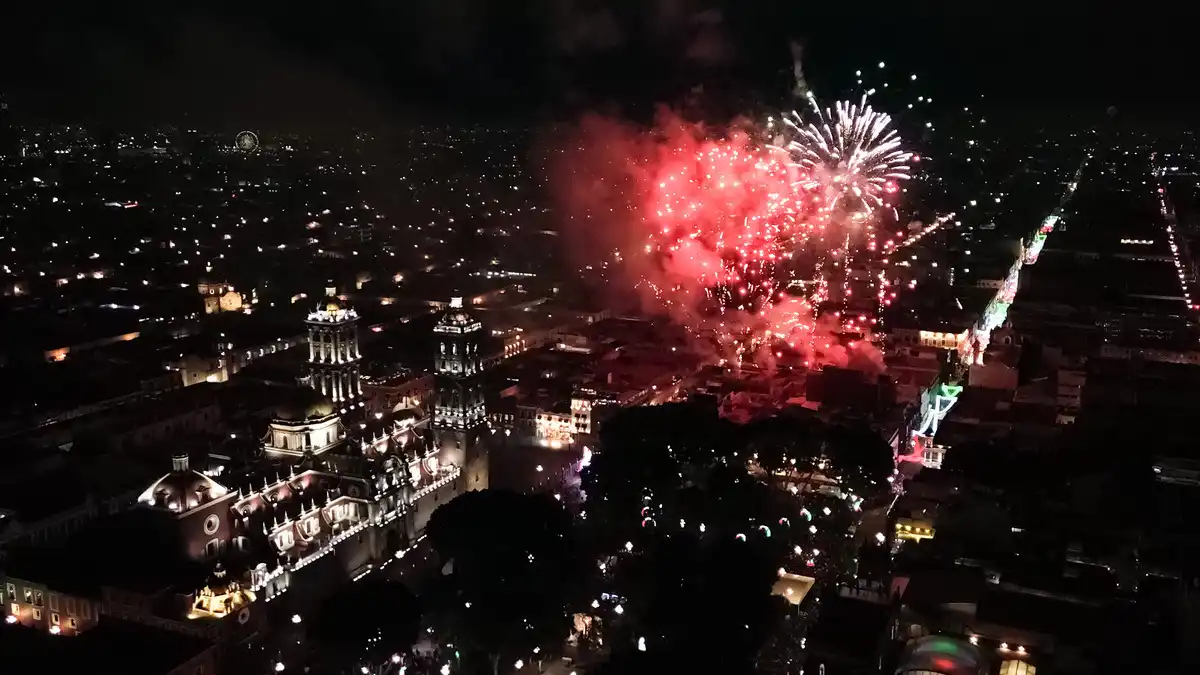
column 333, row 352
column 459, row 420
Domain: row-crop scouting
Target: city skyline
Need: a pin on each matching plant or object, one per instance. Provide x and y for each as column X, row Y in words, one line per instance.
column 565, row 336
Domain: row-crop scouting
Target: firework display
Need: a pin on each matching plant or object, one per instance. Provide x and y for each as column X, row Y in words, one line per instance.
column 759, row 239
column 767, row 240
column 851, row 153
column 723, row 218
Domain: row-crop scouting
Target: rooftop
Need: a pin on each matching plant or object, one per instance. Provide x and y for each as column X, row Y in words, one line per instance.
column 103, row 650
column 150, row 560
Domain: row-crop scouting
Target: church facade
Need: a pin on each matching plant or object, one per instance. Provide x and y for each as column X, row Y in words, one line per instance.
column 332, row 498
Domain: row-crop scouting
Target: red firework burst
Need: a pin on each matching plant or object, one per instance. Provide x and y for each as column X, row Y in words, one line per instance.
column 724, row 218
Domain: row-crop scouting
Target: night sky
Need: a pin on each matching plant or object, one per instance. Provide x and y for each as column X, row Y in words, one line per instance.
column 362, row 62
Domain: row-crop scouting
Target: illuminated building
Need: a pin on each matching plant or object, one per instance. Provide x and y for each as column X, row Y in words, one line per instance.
column 230, row 359
column 396, row 392
column 459, row 414
column 909, row 529
column 306, row 425
column 39, row 606
column 792, row 587
column 581, row 412
column 555, row 429
column 362, row 490
column 220, row 297
column 365, row 495
column 61, row 353
column 221, row 597
column 943, row 339
column 333, row 354
column 335, row 497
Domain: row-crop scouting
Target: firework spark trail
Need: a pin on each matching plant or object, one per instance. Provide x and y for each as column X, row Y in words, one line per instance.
column 892, row 246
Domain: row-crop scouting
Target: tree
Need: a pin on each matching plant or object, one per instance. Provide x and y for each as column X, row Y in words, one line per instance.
column 666, row 472
column 365, row 625
column 861, row 459
column 689, row 589
column 780, row 443
column 514, row 564
column 652, row 450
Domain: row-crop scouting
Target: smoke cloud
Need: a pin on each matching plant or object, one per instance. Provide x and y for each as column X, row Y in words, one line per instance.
column 608, row 179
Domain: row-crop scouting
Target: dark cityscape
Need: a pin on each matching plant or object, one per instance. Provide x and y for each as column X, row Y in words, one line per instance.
column 605, row 337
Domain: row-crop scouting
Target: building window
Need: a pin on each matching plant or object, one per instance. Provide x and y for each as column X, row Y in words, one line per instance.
column 12, row 590
column 37, row 599
column 54, row 619
column 15, row 609
column 71, row 606
column 71, row 623
column 37, row 614
column 54, row 602
column 28, row 595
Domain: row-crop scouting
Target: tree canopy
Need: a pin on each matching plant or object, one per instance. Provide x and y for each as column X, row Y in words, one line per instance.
column 514, row 563
column 696, row 533
column 366, row 622
column 686, row 590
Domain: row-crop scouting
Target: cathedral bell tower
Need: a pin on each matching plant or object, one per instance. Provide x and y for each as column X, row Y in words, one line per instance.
column 333, row 352
column 459, row 419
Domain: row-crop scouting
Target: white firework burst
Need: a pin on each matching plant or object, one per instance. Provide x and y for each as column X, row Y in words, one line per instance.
column 850, row 150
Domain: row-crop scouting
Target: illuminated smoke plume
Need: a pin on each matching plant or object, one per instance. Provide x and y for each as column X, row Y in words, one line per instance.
column 704, row 226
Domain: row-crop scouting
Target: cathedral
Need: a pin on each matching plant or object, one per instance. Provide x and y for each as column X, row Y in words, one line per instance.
column 335, row 493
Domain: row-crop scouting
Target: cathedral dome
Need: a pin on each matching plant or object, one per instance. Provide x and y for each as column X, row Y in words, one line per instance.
column 331, row 309
column 219, row 581
column 182, row 489
column 305, row 404
column 457, row 316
